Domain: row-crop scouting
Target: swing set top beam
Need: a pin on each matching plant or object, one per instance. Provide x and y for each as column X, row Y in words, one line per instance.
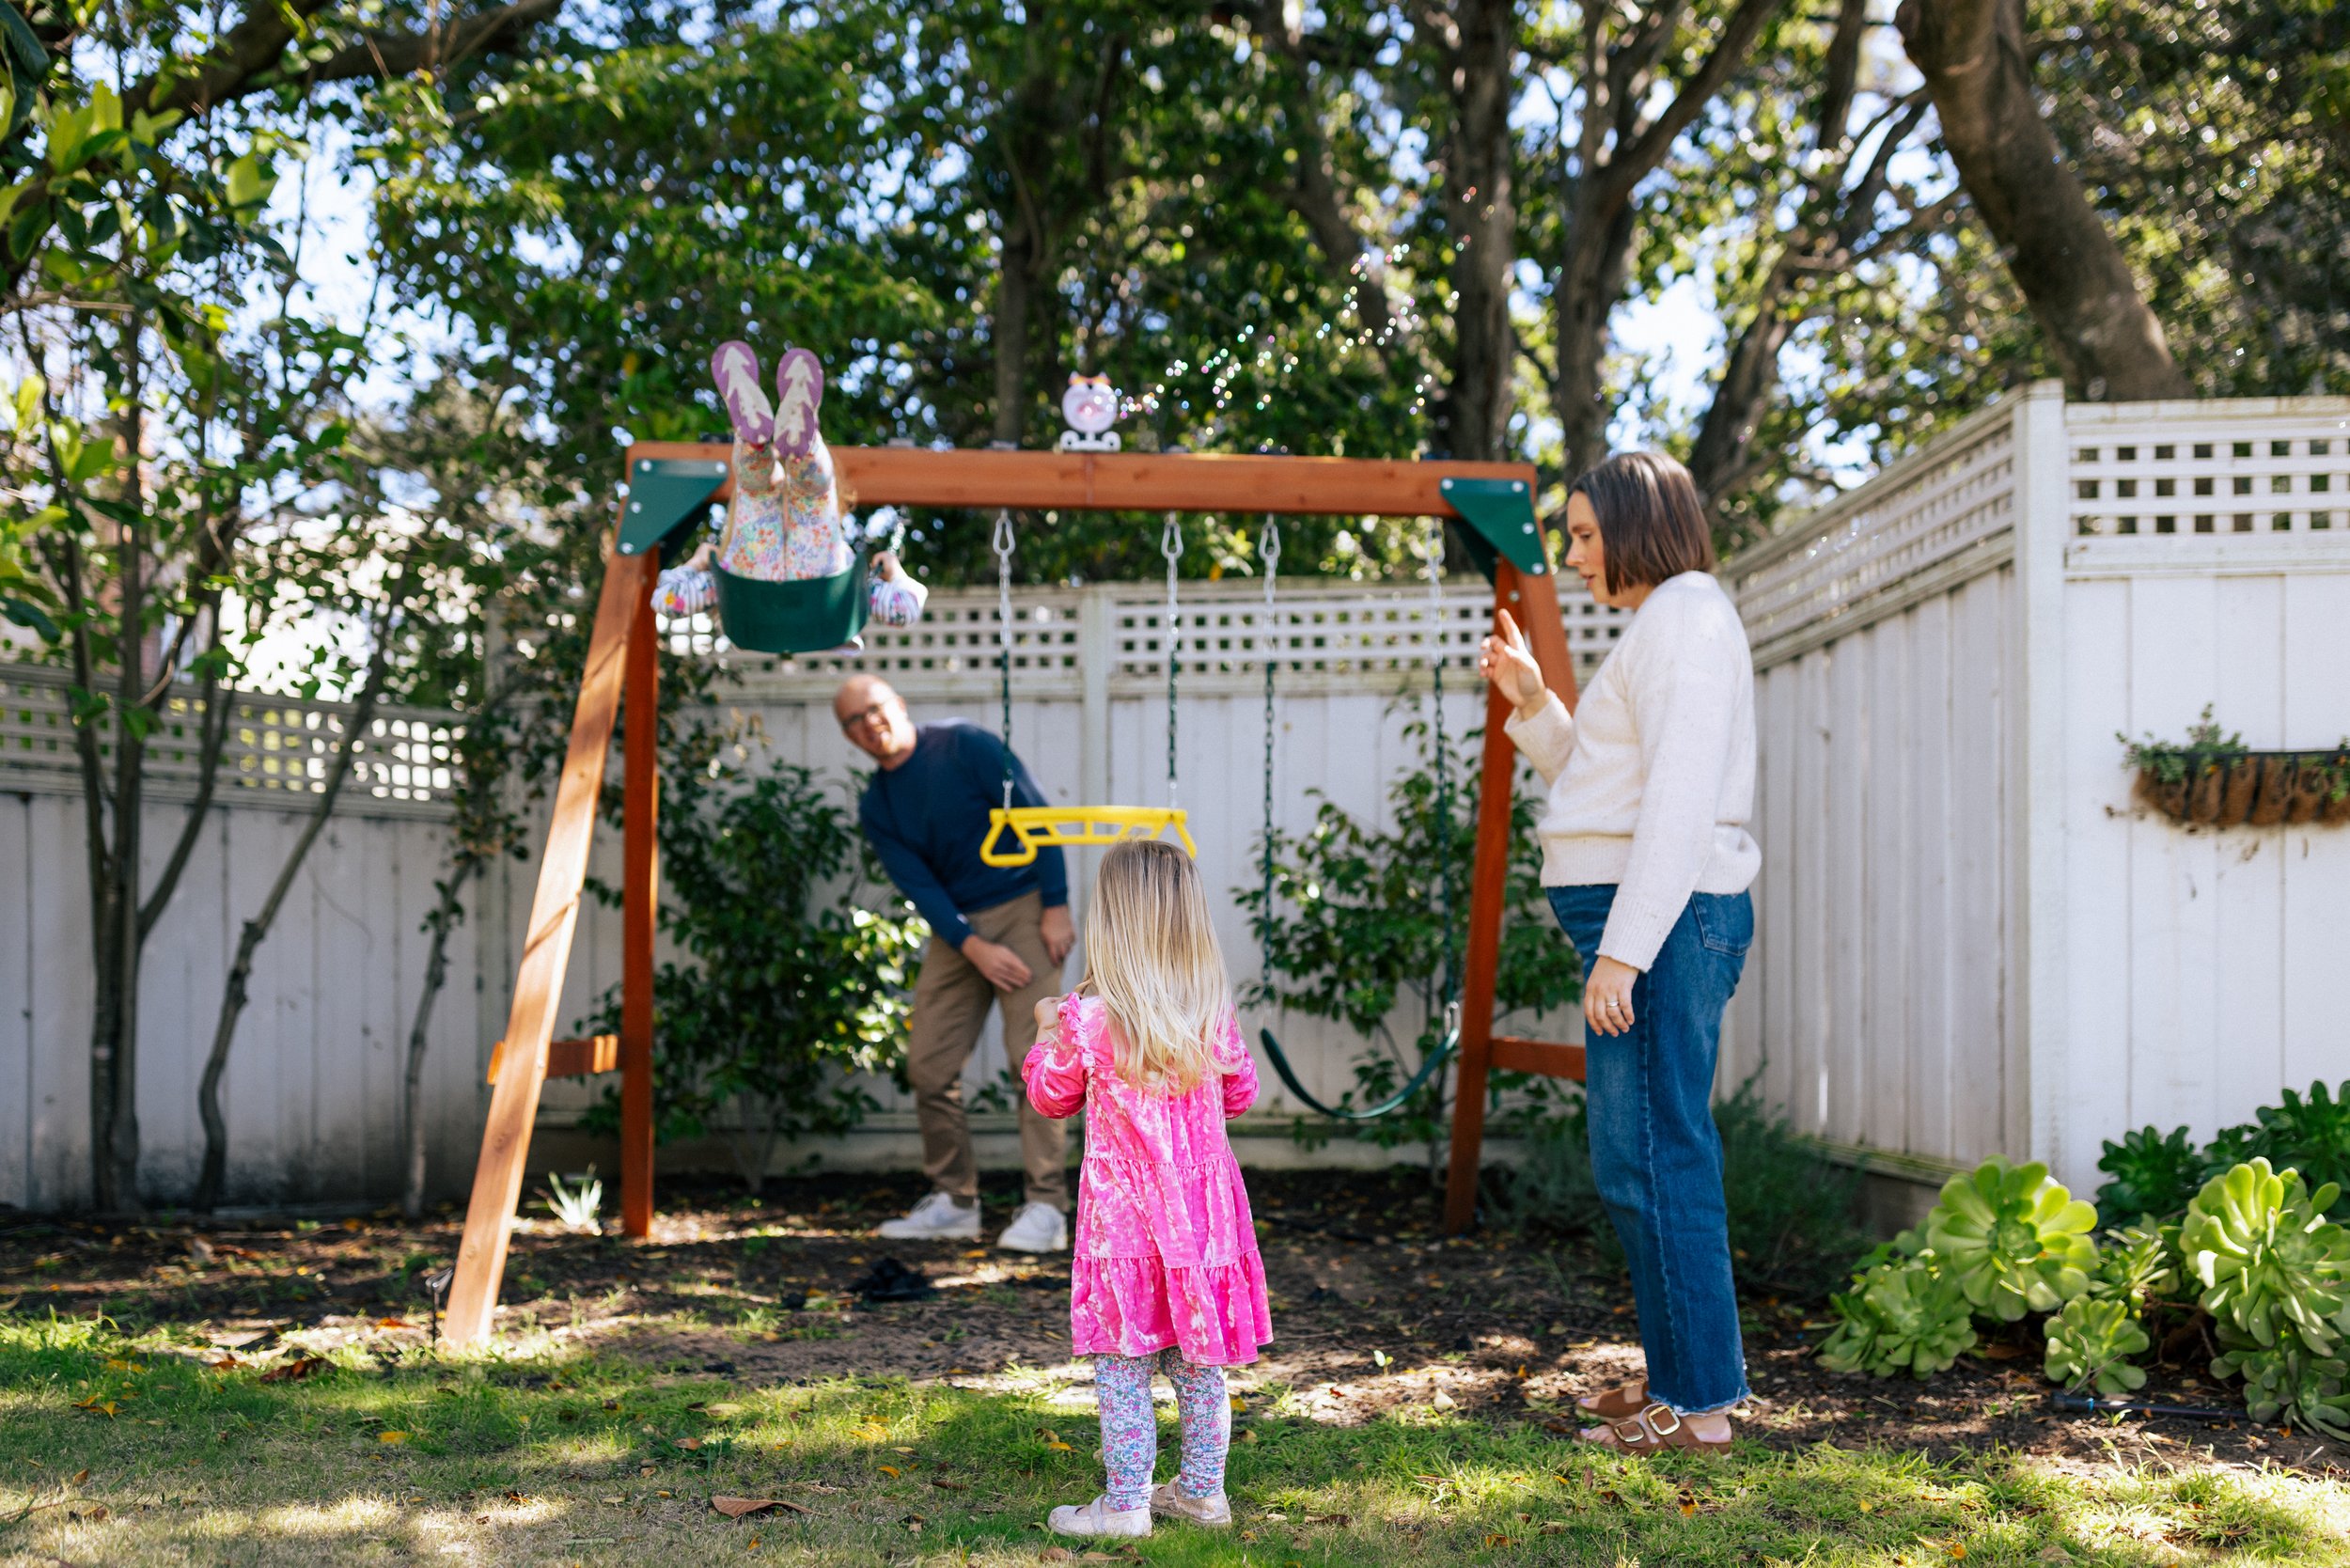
column 1133, row 482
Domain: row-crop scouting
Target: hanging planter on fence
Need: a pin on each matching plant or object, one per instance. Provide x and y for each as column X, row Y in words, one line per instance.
column 2211, row 782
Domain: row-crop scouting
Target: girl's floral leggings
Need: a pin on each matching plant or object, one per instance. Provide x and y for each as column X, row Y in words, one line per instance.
column 1130, row 1429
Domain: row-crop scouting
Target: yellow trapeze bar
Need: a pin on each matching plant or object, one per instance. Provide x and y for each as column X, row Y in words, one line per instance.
column 1076, row 826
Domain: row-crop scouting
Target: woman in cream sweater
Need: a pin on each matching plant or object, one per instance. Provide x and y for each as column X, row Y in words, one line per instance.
column 1647, row 859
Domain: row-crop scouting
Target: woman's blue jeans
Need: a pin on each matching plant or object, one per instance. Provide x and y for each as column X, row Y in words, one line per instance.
column 1647, row 1094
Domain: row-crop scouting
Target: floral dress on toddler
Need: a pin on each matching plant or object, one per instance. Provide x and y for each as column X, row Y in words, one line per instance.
column 1165, row 1253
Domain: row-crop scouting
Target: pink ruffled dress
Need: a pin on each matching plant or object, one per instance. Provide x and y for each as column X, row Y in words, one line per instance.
column 1166, row 1250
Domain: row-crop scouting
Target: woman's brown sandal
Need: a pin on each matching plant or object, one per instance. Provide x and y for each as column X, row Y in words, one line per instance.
column 1620, row 1403
column 1652, row 1430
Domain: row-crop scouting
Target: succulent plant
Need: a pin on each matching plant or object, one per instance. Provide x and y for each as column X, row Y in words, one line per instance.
column 2152, row 1174
column 2092, row 1341
column 1900, row 1317
column 2268, row 1260
column 2311, row 1135
column 2013, row 1240
column 2288, row 1380
column 2137, row 1263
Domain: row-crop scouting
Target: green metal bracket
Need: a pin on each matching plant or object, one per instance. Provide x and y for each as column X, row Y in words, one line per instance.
column 665, row 494
column 1499, row 522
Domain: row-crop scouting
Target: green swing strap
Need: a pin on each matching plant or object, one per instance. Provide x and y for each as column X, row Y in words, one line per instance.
column 1429, row 1068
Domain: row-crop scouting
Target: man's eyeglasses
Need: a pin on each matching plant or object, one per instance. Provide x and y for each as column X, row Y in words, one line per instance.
column 874, row 714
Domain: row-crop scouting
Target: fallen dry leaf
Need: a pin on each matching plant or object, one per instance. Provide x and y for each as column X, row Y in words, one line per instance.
column 889, row 1470
column 1057, row 1554
column 736, row 1508
column 946, row 1485
column 297, row 1370
column 689, row 1443
column 391, row 1437
column 391, row 1323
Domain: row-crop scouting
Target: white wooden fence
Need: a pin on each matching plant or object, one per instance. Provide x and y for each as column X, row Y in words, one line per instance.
column 1970, row 938
column 312, row 1093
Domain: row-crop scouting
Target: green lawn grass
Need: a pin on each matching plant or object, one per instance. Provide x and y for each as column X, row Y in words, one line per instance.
column 556, row 1459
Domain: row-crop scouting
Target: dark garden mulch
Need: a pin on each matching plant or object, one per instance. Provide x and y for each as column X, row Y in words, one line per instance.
column 1373, row 1310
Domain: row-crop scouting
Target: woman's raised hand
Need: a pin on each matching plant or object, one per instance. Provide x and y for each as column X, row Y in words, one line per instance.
column 1507, row 661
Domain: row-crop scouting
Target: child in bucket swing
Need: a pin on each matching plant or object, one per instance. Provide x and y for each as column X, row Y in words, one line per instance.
column 786, row 523
column 1166, row 1276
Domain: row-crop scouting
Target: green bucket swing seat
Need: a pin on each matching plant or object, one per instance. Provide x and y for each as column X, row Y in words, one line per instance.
column 810, row 616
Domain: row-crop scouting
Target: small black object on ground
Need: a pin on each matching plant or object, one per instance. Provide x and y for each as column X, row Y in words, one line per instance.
column 891, row 1280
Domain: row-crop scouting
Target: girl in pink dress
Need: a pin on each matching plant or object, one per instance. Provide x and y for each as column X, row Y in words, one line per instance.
column 1166, row 1274
column 786, row 523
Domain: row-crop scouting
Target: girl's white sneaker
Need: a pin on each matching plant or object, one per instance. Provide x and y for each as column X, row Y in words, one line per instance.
column 1099, row 1518
column 1214, row 1510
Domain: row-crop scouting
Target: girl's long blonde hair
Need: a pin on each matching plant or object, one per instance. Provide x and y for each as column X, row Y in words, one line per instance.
column 1151, row 957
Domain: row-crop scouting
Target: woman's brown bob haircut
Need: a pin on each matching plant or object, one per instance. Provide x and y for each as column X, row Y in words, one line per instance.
column 1651, row 524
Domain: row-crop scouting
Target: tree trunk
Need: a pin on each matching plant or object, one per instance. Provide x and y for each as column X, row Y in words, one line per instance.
column 2075, row 279
column 1622, row 139
column 1481, row 216
column 1599, row 250
column 115, row 1149
column 444, row 920
column 214, row 1176
column 1007, row 333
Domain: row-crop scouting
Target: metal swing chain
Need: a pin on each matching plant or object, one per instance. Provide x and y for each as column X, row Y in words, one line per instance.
column 1269, row 649
column 1003, row 542
column 1171, row 546
column 1434, row 554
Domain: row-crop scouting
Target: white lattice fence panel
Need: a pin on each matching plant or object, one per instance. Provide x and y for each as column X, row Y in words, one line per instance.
column 1225, row 636
column 956, row 635
column 2222, row 468
column 1922, row 514
column 275, row 745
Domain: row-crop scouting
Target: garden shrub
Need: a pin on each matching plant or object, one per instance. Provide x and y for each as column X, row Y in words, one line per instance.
column 790, row 988
column 1366, row 925
column 2253, row 1249
column 1791, row 1210
column 2155, row 1174
column 2152, row 1174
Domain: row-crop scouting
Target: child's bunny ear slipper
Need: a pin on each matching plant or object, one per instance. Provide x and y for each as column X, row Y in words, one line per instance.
column 735, row 368
column 799, row 393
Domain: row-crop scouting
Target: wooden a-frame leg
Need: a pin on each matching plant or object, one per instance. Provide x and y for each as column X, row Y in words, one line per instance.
column 546, row 953
column 1533, row 603
column 639, row 896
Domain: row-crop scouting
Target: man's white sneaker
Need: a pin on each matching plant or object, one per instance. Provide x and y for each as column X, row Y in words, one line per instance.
column 938, row 1218
column 1212, row 1511
column 1037, row 1227
column 1099, row 1518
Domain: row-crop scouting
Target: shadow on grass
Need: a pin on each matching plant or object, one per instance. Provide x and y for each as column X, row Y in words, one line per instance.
column 600, row 1462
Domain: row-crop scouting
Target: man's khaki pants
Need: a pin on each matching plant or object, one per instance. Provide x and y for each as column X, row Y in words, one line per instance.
column 950, row 1003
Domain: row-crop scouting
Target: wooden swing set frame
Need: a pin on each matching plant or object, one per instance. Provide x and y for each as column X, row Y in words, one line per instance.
column 1490, row 503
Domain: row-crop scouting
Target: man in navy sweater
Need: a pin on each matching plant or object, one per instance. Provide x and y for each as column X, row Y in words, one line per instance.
column 998, row 935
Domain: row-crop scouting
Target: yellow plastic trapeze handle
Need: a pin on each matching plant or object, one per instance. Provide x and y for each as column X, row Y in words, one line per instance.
column 1075, row 826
